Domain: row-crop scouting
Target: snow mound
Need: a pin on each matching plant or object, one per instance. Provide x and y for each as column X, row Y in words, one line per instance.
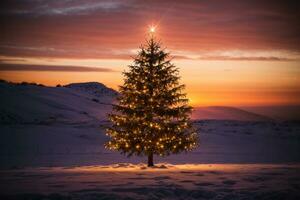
column 94, row 88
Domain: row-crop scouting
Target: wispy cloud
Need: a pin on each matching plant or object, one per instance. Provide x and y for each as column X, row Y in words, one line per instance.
column 63, row 7
column 126, row 54
column 66, row 52
column 239, row 55
column 54, row 68
column 82, row 9
column 229, row 58
column 254, row 58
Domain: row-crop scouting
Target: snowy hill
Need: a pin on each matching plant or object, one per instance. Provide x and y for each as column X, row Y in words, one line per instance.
column 226, row 113
column 93, row 88
column 279, row 113
column 82, row 102
column 28, row 103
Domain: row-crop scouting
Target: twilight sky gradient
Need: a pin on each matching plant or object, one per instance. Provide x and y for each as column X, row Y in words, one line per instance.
column 230, row 52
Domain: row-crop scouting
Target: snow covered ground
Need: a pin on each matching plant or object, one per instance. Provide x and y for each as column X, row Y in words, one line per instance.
column 52, row 140
column 127, row 181
column 61, row 126
column 82, row 144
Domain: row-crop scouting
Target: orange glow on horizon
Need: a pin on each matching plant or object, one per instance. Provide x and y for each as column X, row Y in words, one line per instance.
column 208, row 83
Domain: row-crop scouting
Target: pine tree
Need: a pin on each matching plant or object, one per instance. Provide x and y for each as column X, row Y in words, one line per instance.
column 151, row 116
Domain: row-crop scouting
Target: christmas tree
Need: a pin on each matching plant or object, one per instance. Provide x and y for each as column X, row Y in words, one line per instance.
column 152, row 113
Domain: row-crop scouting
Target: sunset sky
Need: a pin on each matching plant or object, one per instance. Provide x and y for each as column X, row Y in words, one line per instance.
column 229, row 52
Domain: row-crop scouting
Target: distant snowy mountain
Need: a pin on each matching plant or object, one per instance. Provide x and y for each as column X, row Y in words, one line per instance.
column 280, row 113
column 226, row 113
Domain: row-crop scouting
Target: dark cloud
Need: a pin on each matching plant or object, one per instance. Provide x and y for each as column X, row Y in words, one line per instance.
column 24, row 67
column 67, row 52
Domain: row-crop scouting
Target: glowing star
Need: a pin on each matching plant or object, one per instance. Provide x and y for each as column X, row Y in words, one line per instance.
column 152, row 29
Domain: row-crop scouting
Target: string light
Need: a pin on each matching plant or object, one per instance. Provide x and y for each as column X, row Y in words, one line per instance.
column 152, row 113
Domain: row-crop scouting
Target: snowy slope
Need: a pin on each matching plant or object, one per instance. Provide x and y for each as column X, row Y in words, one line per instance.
column 71, row 104
column 125, row 181
column 81, row 144
column 280, row 113
column 79, row 102
column 226, row 113
column 61, row 126
column 94, row 88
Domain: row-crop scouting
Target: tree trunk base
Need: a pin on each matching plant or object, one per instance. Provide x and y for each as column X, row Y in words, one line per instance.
column 150, row 160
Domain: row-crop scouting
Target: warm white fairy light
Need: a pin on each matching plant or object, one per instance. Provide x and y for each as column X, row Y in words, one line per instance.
column 144, row 122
